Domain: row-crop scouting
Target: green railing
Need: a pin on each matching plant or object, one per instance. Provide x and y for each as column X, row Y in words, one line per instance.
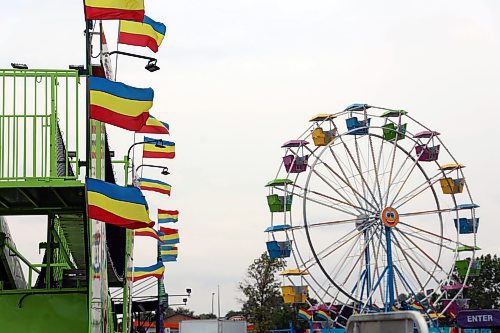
column 40, row 124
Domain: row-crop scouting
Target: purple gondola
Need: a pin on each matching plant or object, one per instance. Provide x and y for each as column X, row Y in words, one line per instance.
column 425, row 152
column 295, row 162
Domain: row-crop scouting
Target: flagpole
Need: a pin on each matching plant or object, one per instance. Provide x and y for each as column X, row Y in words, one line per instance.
column 88, row 54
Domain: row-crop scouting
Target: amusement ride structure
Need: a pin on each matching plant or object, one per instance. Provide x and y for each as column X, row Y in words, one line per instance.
column 375, row 215
column 56, row 163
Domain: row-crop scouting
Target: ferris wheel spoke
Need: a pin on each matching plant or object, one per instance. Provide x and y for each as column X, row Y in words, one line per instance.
column 345, row 180
column 375, row 166
column 419, row 248
column 313, row 259
column 378, row 233
column 360, row 256
column 340, row 243
column 360, row 172
column 393, row 154
column 414, row 164
column 334, row 178
column 326, row 204
column 359, row 209
column 327, row 223
column 416, row 261
column 431, row 233
column 403, row 252
column 418, row 190
column 416, row 235
column 427, row 212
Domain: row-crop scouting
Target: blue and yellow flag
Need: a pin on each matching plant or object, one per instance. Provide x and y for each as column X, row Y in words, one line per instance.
column 150, row 232
column 168, row 253
column 140, row 273
column 147, row 33
column 155, row 126
column 168, row 216
column 120, row 105
column 158, row 148
column 154, row 185
column 171, row 236
column 122, row 206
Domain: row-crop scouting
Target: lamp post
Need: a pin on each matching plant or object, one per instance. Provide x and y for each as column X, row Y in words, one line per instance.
column 129, row 238
column 151, row 66
column 213, row 294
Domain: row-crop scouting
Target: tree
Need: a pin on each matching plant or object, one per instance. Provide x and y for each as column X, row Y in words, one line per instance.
column 207, row 316
column 484, row 291
column 232, row 313
column 264, row 305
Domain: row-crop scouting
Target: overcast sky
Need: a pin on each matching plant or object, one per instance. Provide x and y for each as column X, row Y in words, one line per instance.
column 240, row 77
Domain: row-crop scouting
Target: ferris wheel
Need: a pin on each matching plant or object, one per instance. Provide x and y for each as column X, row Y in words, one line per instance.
column 374, row 213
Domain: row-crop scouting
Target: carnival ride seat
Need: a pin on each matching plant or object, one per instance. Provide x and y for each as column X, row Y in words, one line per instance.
column 427, row 153
column 294, row 294
column 393, row 132
column 357, row 127
column 279, row 203
column 466, row 226
column 455, row 305
column 462, row 266
column 279, row 249
column 295, row 164
column 321, row 137
column 452, row 186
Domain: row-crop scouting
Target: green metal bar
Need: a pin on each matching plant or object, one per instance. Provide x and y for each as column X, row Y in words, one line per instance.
column 2, row 129
column 39, row 72
column 30, row 277
column 14, row 139
column 53, row 128
column 44, row 134
column 66, row 164
column 48, row 251
column 77, row 114
column 22, row 258
column 34, row 128
column 25, row 129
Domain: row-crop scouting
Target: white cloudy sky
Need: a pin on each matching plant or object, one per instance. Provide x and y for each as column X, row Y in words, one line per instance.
column 240, row 77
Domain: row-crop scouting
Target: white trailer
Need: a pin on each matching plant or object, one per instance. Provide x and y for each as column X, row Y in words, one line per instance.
column 212, row 326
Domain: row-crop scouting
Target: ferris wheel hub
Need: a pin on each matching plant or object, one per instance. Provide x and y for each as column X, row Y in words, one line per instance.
column 390, row 217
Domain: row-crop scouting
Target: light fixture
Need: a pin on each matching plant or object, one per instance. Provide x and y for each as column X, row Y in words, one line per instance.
column 165, row 172
column 71, row 154
column 151, row 66
column 80, row 68
column 19, row 66
column 188, row 290
column 159, row 144
column 185, row 300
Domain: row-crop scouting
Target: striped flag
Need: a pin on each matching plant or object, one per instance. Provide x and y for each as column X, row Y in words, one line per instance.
column 154, row 185
column 304, row 314
column 168, row 253
column 114, row 10
column 120, row 105
column 140, row 273
column 158, row 148
column 150, row 232
column 168, row 216
column 171, row 236
column 122, row 206
column 147, row 33
column 155, row 126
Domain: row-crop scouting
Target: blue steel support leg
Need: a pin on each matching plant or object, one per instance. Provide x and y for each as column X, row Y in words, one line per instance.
column 390, row 270
column 367, row 270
